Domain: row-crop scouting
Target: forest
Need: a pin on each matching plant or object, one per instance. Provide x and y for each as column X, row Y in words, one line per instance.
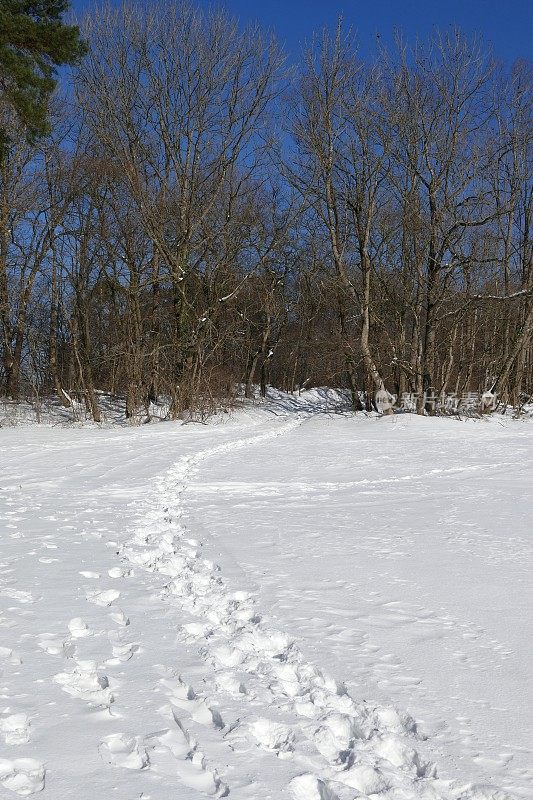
column 206, row 215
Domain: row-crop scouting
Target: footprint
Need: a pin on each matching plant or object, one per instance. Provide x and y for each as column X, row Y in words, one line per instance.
column 198, row 630
column 120, row 618
column 122, row 651
column 200, row 712
column 55, row 646
column 175, row 754
column 122, row 750
column 85, row 683
column 335, row 737
column 184, row 697
column 179, row 741
column 394, row 720
column 105, row 598
column 401, row 755
column 16, row 729
column 227, row 682
column 206, row 715
column 309, row 787
column 10, row 656
column 274, row 737
column 24, row 776
column 119, row 572
column 78, row 628
column 178, row 688
column 366, row 779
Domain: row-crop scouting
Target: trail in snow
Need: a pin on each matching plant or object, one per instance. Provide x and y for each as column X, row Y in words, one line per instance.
column 131, row 668
column 287, row 706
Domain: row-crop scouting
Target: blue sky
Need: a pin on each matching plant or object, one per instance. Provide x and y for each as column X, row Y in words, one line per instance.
column 507, row 24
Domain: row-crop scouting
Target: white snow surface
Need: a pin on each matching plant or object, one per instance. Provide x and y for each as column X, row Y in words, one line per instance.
column 290, row 601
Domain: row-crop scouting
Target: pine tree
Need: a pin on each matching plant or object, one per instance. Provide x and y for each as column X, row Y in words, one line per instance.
column 34, row 42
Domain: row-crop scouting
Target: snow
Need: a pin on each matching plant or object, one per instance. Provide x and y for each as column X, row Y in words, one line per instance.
column 291, row 601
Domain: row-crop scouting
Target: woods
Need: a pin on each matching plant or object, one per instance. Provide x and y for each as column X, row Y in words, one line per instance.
column 200, row 216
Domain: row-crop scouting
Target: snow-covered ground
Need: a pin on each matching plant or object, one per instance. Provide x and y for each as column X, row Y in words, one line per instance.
column 288, row 602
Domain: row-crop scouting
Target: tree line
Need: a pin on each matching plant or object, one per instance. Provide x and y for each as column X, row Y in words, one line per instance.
column 194, row 215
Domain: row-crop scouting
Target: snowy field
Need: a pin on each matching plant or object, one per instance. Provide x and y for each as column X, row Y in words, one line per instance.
column 290, row 602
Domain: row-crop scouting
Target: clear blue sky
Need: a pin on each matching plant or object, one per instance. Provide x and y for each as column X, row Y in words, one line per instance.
column 507, row 24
